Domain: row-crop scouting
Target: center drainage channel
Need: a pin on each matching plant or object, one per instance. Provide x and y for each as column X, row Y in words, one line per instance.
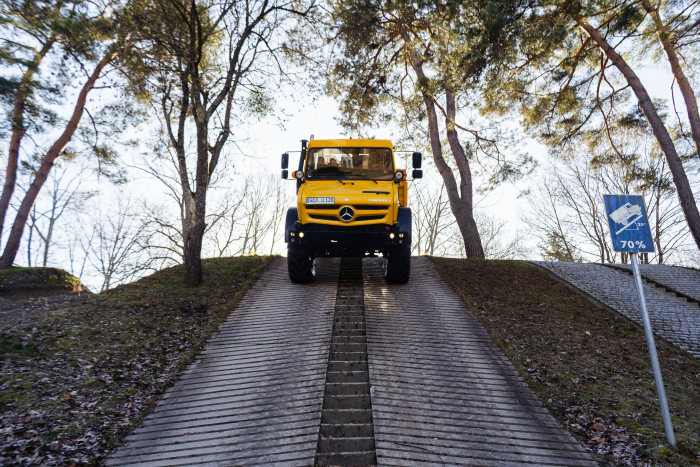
column 346, row 436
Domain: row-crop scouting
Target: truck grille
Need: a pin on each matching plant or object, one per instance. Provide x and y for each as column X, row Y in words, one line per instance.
column 356, row 207
column 329, row 212
column 323, row 218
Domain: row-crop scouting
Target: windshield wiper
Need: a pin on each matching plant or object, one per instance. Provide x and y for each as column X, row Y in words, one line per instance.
column 359, row 177
column 344, row 183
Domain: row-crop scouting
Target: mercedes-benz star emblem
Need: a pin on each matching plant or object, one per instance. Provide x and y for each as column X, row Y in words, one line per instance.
column 346, row 213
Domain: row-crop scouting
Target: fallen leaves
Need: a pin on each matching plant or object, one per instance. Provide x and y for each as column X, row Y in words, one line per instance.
column 604, row 437
column 75, row 383
column 589, row 364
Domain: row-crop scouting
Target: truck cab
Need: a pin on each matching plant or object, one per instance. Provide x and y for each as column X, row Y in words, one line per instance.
column 351, row 202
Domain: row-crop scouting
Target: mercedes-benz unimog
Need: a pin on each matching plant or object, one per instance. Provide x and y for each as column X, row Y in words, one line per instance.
column 351, row 202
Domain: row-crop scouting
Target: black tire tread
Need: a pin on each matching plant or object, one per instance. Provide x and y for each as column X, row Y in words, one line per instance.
column 299, row 265
column 398, row 265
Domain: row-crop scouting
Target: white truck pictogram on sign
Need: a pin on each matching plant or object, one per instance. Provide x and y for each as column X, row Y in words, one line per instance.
column 623, row 214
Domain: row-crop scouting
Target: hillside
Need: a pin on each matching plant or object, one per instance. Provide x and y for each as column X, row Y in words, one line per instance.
column 81, row 379
column 28, row 293
column 38, row 281
column 587, row 363
column 76, row 381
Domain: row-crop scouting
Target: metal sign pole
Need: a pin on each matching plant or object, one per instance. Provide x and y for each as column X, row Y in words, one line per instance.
column 652, row 353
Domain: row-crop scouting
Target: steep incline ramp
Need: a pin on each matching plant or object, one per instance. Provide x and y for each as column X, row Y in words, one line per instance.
column 254, row 396
column 673, row 318
column 442, row 393
column 680, row 280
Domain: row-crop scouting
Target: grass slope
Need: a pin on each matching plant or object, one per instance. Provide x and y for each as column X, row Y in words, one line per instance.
column 588, row 365
column 75, row 383
column 42, row 280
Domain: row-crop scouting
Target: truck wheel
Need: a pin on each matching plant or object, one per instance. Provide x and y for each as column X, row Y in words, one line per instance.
column 300, row 265
column 398, row 265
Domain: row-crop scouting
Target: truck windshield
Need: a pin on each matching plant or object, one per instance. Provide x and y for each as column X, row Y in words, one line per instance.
column 349, row 163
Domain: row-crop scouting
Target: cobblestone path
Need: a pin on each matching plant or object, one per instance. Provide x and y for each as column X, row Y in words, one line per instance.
column 681, row 280
column 673, row 318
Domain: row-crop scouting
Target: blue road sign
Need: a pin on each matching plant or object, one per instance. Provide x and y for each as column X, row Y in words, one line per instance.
column 629, row 225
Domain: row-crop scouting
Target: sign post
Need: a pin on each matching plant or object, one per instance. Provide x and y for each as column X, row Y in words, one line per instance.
column 629, row 229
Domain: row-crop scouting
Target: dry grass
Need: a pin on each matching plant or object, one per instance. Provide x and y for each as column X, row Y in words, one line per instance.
column 76, row 382
column 590, row 366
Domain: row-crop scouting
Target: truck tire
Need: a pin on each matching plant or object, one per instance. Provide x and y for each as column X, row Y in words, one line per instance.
column 398, row 265
column 300, row 265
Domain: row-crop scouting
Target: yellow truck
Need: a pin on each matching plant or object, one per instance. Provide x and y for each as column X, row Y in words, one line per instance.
column 351, row 202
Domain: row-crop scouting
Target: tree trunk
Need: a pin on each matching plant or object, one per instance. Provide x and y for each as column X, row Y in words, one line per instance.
column 470, row 232
column 691, row 104
column 461, row 208
column 680, row 179
column 193, row 243
column 18, row 130
column 193, row 254
column 13, row 242
column 47, row 243
column 29, row 241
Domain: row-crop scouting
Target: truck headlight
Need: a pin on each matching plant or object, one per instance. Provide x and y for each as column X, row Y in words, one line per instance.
column 398, row 175
column 301, row 234
column 298, row 174
column 391, row 235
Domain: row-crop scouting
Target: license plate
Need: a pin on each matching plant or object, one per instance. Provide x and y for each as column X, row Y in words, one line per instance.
column 320, row 200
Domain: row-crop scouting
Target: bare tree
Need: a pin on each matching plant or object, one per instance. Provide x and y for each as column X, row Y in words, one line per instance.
column 549, row 223
column 64, row 193
column 162, row 233
column 230, row 213
column 580, row 190
column 79, row 244
column 263, row 210
column 279, row 203
column 115, row 249
column 568, row 213
column 211, row 60
column 432, row 220
column 497, row 243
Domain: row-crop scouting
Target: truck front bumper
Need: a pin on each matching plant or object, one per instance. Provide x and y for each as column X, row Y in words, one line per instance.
column 326, row 240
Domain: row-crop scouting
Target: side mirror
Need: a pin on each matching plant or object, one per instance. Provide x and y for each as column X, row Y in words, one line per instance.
column 417, row 173
column 285, row 174
column 417, row 160
column 285, row 161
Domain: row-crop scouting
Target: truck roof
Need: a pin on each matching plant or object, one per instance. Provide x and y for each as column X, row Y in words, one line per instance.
column 339, row 143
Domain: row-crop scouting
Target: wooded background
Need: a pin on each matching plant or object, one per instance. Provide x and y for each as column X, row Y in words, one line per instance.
column 125, row 123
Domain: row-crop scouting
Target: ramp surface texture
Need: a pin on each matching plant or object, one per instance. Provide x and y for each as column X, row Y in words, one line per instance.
column 672, row 317
column 254, row 396
column 442, row 393
column 681, row 280
column 350, row 371
column 346, row 436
